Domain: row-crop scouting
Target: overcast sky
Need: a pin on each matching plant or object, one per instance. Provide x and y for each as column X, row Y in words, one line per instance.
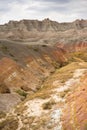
column 58, row 10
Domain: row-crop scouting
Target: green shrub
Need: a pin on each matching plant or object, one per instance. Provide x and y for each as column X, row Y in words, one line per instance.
column 85, row 126
column 11, row 54
column 21, row 93
column 2, row 114
column 44, row 45
column 48, row 105
column 4, row 48
column 35, row 49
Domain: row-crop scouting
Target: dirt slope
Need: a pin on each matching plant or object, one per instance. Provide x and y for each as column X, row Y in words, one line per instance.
column 43, row 75
column 54, row 106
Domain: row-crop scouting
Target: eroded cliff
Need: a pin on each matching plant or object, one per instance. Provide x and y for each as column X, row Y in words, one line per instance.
column 43, row 74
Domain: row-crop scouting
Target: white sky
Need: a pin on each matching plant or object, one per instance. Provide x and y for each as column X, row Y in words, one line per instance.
column 58, row 10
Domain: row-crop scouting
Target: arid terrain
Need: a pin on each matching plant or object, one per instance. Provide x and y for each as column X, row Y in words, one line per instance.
column 43, row 75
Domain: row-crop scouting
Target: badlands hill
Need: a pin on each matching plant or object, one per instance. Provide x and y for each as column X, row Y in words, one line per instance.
column 45, row 31
column 43, row 75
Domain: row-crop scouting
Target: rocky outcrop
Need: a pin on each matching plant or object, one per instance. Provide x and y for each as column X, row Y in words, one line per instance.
column 45, row 31
column 73, row 46
column 44, row 25
column 30, row 53
column 23, row 68
column 35, row 65
column 8, row 101
column 75, row 114
column 60, row 104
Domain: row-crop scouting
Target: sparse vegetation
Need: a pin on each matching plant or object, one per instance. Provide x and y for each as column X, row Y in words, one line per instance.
column 36, row 49
column 85, row 126
column 56, row 64
column 4, row 88
column 2, row 114
column 9, row 124
column 11, row 54
column 48, row 105
column 35, row 45
column 23, row 128
column 29, row 46
column 63, row 94
column 21, row 93
column 4, row 49
column 16, row 59
column 79, row 56
column 44, row 45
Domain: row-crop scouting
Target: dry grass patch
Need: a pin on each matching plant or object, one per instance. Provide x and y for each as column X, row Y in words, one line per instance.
column 64, row 93
column 2, row 114
column 48, row 105
column 63, row 74
column 9, row 124
column 81, row 55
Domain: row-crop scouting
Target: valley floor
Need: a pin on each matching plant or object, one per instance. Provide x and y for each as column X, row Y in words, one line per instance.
column 47, row 108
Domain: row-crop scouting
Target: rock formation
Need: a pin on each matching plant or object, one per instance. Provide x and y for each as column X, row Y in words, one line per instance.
column 43, row 70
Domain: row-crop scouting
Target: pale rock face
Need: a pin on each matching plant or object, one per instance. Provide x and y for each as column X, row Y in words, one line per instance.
column 75, row 114
column 46, row 31
column 34, row 107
